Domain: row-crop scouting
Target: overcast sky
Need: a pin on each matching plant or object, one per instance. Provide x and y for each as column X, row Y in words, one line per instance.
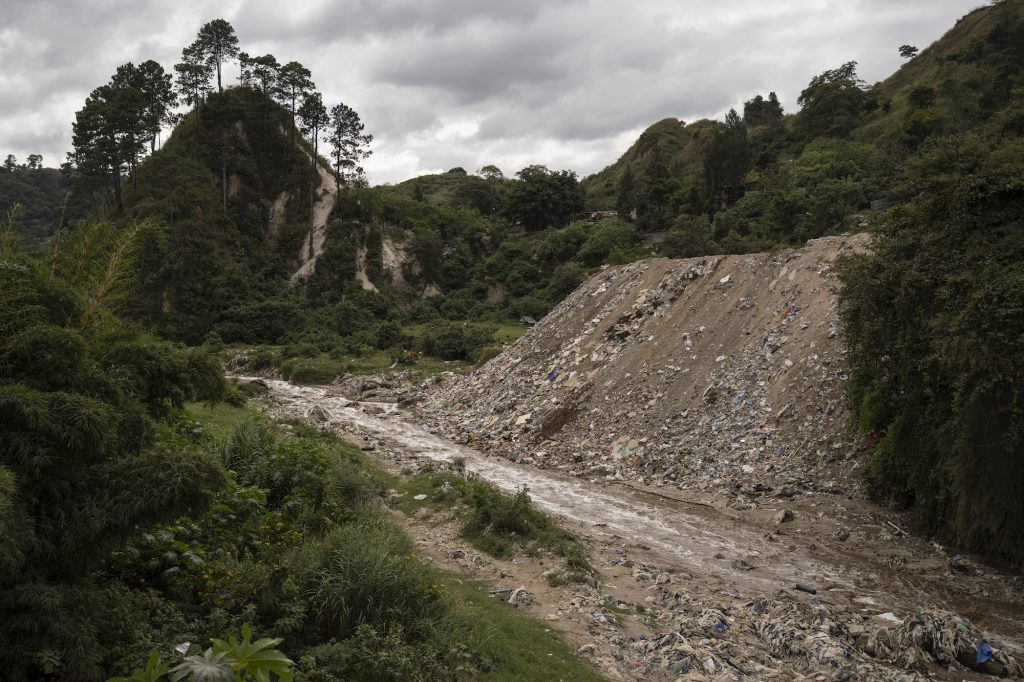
column 444, row 83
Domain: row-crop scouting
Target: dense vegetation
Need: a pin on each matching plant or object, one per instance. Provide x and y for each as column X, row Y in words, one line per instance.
column 127, row 527
column 86, row 457
column 936, row 327
column 761, row 179
column 41, row 193
column 931, row 316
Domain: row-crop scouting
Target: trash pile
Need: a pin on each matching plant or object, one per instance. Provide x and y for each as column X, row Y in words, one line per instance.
column 395, row 388
column 706, row 373
column 943, row 638
column 723, row 638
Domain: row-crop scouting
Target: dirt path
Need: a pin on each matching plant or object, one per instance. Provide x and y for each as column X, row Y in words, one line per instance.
column 865, row 571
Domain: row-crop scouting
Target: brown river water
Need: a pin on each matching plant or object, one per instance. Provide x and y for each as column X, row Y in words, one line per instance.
column 703, row 539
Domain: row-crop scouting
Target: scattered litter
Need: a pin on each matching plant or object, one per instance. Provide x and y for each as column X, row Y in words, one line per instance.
column 705, row 407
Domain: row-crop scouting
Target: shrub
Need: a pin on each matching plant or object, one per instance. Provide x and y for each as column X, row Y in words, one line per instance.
column 363, row 574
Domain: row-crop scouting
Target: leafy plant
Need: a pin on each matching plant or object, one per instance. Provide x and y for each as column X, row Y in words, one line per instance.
column 257, row 659
column 233, row 660
column 153, row 672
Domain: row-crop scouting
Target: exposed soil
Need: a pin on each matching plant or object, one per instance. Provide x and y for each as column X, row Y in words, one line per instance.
column 697, row 585
column 688, row 417
column 313, row 244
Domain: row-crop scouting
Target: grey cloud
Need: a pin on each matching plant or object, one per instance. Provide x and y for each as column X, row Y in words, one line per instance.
column 384, row 18
column 474, row 65
column 442, row 83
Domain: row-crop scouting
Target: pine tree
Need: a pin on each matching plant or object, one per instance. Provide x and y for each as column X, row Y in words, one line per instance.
column 217, row 44
column 294, row 81
column 349, row 143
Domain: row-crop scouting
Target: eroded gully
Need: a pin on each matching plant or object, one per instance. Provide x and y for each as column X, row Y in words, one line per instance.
column 684, row 536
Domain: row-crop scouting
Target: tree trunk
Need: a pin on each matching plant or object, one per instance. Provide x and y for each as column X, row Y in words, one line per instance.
column 293, row 119
column 219, row 88
column 224, row 180
column 117, row 188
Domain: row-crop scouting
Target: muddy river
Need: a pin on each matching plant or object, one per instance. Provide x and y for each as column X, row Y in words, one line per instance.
column 702, row 539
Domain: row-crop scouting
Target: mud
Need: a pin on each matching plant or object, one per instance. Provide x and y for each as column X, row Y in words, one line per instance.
column 866, row 572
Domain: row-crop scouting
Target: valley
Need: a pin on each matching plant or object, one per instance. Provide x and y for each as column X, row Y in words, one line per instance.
column 650, row 545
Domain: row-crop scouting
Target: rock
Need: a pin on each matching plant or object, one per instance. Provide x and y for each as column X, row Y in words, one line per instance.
column 783, row 516
column 318, row 415
column 419, row 498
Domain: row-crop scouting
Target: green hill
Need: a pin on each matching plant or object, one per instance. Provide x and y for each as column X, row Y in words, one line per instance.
column 41, row 193
column 456, row 188
column 223, row 251
column 239, row 261
column 764, row 179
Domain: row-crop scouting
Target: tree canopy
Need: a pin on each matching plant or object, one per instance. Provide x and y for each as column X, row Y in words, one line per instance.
column 544, row 197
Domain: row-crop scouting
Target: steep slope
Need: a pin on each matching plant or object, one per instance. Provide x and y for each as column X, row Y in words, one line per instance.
column 232, row 187
column 680, row 145
column 313, row 246
column 712, row 373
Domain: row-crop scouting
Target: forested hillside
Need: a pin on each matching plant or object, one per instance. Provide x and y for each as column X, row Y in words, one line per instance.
column 39, row 192
column 927, row 160
column 764, row 178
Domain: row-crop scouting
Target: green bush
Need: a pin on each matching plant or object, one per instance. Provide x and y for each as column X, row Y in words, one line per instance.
column 936, row 333
column 363, row 573
column 606, row 237
column 456, row 341
column 261, row 359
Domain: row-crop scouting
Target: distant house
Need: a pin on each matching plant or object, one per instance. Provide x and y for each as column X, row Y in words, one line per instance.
column 594, row 216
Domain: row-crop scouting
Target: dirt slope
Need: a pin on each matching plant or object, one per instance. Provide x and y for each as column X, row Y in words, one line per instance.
column 708, row 373
column 313, row 245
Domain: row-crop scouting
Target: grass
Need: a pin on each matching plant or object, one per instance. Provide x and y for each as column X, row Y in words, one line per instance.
column 221, row 419
column 496, row 523
column 522, row 648
column 365, row 572
column 507, row 331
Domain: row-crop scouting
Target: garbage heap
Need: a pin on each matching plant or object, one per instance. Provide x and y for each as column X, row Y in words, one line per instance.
column 709, row 373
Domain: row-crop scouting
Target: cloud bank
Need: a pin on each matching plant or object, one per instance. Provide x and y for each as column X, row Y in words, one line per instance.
column 445, row 83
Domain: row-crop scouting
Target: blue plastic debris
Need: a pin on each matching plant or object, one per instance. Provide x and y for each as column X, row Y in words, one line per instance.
column 983, row 653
